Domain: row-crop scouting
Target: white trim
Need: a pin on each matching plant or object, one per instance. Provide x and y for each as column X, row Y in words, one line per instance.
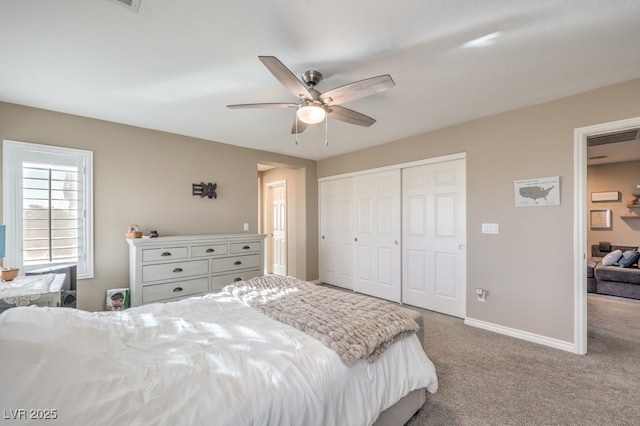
column 13, row 152
column 523, row 335
column 432, row 160
column 580, row 248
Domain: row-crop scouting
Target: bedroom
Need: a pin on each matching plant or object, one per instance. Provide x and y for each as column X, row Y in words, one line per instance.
column 143, row 176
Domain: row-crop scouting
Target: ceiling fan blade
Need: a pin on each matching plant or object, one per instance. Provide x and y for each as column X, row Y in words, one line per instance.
column 301, row 125
column 357, row 90
column 285, row 76
column 349, row 116
column 264, row 105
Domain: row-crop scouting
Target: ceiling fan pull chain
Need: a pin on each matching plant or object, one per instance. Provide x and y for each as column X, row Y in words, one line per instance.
column 326, row 131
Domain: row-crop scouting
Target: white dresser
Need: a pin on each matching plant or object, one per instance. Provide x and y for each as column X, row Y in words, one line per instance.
column 165, row 269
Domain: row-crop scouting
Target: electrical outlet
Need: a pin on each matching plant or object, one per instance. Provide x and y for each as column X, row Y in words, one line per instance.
column 481, row 294
column 246, row 227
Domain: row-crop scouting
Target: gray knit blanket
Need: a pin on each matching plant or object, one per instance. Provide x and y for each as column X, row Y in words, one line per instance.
column 353, row 325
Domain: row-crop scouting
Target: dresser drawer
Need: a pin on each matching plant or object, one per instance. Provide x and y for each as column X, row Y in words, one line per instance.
column 247, row 247
column 235, row 263
column 174, row 270
column 167, row 253
column 220, row 281
column 210, row 250
column 158, row 292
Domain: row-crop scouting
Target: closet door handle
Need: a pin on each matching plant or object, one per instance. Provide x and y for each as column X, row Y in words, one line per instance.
column 177, row 270
column 246, row 248
column 165, row 253
column 177, row 289
column 210, row 250
column 237, row 262
column 237, row 279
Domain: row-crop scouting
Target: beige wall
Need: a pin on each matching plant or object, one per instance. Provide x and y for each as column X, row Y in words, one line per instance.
column 528, row 267
column 621, row 177
column 144, row 177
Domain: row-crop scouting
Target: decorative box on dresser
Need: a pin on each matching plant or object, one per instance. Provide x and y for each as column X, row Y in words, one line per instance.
column 165, row 269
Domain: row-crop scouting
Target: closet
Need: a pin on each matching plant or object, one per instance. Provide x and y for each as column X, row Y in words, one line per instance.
column 398, row 233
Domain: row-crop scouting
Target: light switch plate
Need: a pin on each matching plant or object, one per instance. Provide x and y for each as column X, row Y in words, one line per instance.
column 490, row 228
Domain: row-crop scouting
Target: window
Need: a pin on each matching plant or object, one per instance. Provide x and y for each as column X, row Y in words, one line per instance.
column 48, row 206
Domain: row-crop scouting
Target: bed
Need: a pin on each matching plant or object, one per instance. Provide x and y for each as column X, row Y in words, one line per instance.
column 218, row 359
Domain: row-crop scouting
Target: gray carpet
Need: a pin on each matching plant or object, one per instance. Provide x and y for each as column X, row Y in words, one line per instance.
column 490, row 379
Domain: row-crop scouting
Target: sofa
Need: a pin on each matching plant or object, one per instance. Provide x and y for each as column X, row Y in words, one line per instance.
column 612, row 280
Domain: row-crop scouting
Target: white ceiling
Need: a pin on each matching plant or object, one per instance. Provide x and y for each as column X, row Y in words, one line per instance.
column 174, row 65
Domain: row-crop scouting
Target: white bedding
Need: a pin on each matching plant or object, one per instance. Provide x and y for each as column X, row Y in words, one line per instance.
column 207, row 360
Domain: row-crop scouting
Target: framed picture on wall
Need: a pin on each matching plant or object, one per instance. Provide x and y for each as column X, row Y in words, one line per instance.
column 600, row 218
column 605, row 196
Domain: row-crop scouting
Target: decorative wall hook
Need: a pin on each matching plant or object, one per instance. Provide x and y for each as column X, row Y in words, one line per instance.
column 205, row 189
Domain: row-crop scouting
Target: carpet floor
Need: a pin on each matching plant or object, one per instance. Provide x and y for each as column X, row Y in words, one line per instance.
column 487, row 378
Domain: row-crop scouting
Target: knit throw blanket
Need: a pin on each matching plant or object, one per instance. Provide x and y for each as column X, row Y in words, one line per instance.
column 353, row 325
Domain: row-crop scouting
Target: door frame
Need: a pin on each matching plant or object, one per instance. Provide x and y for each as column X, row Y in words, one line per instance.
column 580, row 248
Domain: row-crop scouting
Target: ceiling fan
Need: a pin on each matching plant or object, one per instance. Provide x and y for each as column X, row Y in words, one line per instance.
column 313, row 106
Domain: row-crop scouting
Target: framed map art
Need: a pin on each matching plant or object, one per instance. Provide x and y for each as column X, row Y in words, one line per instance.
column 537, row 192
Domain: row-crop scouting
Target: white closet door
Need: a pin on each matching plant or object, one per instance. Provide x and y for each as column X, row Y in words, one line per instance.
column 434, row 237
column 336, row 232
column 378, row 230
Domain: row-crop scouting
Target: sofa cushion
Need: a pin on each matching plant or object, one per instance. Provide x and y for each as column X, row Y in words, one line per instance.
column 612, row 258
column 629, row 275
column 591, row 265
column 596, row 252
column 628, row 258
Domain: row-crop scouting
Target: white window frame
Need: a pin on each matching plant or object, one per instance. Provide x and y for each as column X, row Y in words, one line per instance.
column 13, row 155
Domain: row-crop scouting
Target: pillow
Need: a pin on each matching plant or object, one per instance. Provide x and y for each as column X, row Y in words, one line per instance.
column 612, row 258
column 628, row 258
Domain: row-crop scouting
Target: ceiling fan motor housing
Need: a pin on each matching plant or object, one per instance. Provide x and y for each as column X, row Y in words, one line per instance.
column 311, row 78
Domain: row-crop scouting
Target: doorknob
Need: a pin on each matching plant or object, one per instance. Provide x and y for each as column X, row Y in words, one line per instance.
column 355, row 239
column 461, row 246
column 396, row 242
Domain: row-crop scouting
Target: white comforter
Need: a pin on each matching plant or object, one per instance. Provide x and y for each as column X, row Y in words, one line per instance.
column 208, row 360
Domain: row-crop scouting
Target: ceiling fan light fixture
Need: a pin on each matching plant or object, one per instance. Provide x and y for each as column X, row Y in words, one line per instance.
column 311, row 114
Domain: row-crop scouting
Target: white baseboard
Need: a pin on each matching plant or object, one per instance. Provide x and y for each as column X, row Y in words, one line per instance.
column 523, row 335
column 316, row 282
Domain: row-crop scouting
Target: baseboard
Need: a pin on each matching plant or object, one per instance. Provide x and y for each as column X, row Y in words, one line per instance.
column 523, row 335
column 316, row 281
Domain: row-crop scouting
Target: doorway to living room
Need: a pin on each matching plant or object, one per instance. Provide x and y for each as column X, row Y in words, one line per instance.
column 589, row 215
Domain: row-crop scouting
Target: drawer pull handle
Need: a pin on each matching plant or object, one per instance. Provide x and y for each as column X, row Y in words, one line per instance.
column 165, row 253
column 177, row 270
column 237, row 262
column 246, row 248
column 237, row 279
column 210, row 250
column 177, row 289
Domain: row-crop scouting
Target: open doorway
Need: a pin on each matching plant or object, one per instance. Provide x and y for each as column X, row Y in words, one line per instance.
column 283, row 218
column 276, row 227
column 583, row 206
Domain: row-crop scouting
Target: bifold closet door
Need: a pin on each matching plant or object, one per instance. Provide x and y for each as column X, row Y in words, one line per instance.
column 377, row 238
column 434, row 237
column 336, row 232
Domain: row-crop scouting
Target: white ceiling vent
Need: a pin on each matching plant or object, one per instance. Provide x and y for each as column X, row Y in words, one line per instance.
column 623, row 136
column 129, row 4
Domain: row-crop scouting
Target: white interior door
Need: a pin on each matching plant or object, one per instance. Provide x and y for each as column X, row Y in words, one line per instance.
column 378, row 230
column 336, row 232
column 278, row 228
column 434, row 237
